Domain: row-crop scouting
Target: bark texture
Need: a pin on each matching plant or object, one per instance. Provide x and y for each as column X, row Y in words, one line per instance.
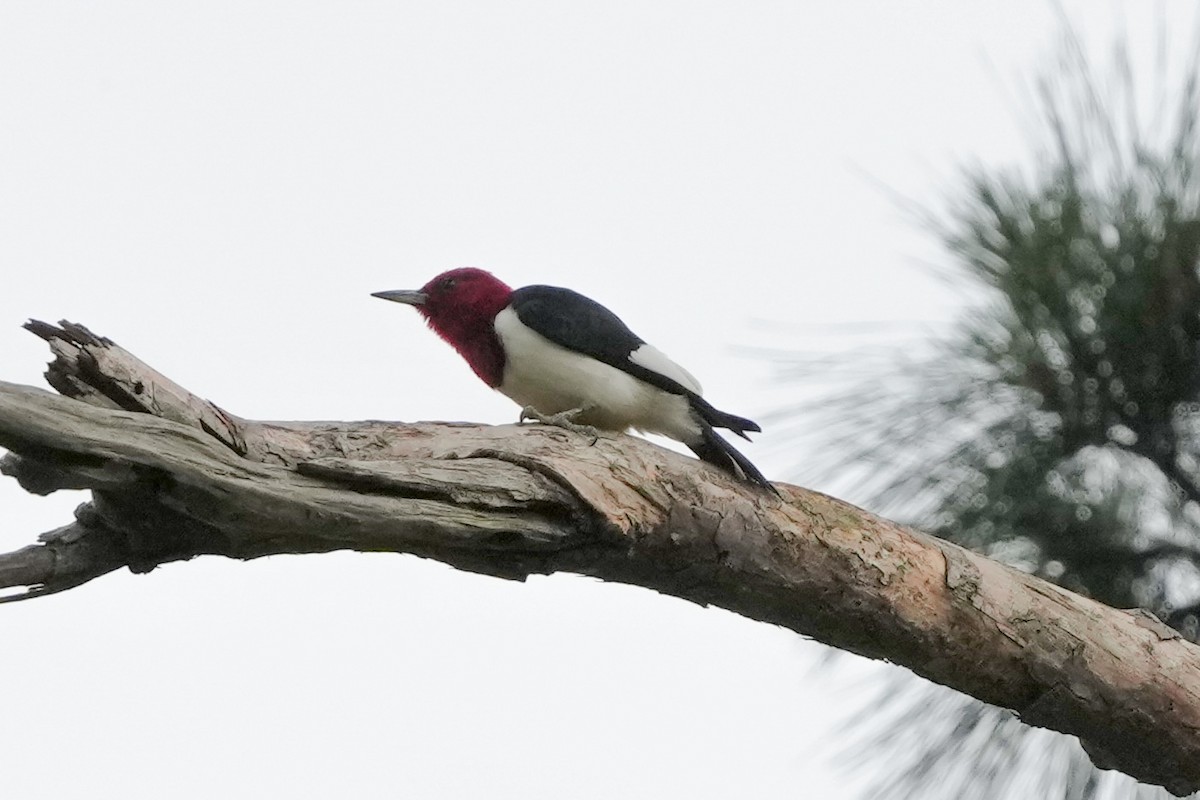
column 174, row 476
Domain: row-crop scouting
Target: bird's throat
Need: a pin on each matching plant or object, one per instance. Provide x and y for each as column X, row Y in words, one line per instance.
column 482, row 351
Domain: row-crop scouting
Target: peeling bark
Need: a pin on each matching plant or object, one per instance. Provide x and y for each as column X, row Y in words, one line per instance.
column 173, row 476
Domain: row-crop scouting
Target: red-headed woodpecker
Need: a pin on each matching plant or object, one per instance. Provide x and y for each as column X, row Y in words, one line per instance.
column 561, row 355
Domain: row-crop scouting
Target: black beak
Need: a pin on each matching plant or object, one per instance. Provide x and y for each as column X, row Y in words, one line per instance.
column 407, row 296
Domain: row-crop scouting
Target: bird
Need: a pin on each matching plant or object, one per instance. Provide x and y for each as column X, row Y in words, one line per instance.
column 569, row 361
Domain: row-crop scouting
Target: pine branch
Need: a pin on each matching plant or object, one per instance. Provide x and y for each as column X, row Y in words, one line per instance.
column 173, row 477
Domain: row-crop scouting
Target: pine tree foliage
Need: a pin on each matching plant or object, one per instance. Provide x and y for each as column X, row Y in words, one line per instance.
column 1058, row 425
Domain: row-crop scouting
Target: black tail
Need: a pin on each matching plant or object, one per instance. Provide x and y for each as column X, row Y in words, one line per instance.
column 719, row 419
column 715, row 450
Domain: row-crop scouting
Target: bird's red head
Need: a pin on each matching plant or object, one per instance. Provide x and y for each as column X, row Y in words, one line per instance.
column 461, row 298
column 460, row 305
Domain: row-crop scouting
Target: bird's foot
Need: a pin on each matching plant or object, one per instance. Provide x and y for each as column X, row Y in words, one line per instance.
column 563, row 419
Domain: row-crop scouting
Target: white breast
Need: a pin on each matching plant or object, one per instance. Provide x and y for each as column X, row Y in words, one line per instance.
column 551, row 378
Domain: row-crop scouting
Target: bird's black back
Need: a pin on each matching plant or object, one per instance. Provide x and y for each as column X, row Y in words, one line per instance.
column 579, row 323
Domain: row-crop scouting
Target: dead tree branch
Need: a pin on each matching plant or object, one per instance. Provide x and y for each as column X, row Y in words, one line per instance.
column 173, row 476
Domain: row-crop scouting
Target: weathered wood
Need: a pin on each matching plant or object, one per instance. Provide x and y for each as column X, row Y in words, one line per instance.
column 174, row 477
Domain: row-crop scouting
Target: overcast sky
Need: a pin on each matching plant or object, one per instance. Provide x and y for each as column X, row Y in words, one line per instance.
column 218, row 186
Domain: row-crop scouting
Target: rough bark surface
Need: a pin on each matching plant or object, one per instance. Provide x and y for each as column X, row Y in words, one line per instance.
column 173, row 476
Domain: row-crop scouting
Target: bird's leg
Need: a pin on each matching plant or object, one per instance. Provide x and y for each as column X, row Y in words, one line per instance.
column 563, row 419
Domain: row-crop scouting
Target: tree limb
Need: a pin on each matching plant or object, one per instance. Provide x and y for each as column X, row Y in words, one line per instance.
column 173, row 476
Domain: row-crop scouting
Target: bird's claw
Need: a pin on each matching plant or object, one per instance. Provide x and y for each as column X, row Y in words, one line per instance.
column 563, row 419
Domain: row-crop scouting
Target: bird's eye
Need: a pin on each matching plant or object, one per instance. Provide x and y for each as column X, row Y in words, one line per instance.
column 449, row 284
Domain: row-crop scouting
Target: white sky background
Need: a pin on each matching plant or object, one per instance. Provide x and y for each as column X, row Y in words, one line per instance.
column 219, row 186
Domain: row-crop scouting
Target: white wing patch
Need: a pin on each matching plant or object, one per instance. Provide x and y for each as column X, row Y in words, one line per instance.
column 655, row 360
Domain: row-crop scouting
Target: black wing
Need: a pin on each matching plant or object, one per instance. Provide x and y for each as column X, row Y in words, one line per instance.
column 579, row 323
